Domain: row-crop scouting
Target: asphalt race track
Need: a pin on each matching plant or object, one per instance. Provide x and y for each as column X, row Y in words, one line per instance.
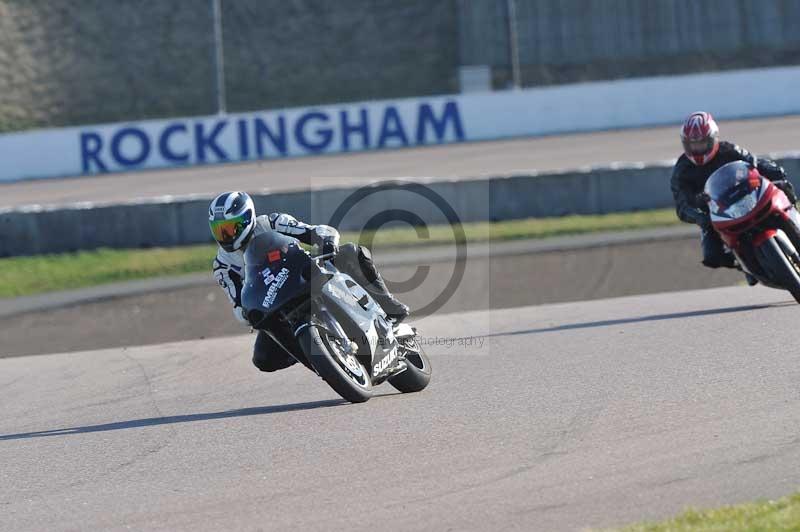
column 580, row 268
column 555, row 417
column 549, row 417
column 452, row 161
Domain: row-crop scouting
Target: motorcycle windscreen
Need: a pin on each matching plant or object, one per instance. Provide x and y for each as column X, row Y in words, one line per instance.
column 275, row 271
column 734, row 190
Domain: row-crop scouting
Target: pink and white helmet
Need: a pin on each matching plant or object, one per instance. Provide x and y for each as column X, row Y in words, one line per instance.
column 700, row 137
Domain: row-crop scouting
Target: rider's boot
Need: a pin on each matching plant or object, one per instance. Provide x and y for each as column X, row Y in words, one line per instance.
column 395, row 310
column 714, row 253
column 372, row 281
column 724, row 260
column 751, row 281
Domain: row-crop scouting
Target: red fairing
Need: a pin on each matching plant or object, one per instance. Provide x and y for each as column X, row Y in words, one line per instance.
column 763, row 237
column 773, row 202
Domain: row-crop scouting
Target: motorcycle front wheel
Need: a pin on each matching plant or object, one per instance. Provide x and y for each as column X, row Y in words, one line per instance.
column 780, row 266
column 342, row 371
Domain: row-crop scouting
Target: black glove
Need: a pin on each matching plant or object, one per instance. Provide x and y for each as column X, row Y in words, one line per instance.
column 787, row 188
column 329, row 247
column 696, row 216
column 701, row 201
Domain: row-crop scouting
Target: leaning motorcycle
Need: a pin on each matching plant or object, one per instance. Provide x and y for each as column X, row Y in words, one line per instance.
column 758, row 224
column 327, row 321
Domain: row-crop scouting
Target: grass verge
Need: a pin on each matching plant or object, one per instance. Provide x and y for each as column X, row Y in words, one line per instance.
column 21, row 276
column 778, row 515
column 32, row 275
column 531, row 228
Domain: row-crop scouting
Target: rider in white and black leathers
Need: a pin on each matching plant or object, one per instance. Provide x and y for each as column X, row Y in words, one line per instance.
column 233, row 223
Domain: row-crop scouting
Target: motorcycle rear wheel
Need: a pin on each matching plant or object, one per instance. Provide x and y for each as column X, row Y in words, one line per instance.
column 417, row 374
column 344, row 373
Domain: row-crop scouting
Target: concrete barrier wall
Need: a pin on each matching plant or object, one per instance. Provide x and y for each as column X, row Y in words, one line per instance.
column 30, row 231
column 183, row 142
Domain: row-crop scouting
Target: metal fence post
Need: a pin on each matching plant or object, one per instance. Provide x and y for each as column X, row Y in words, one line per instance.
column 219, row 58
column 513, row 43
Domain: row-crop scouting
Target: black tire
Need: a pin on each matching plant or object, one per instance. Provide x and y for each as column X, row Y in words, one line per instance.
column 780, row 267
column 318, row 348
column 417, row 374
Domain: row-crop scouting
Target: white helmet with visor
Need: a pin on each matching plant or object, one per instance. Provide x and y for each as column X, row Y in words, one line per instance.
column 231, row 218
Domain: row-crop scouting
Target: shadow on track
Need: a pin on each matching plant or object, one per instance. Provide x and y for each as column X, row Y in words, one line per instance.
column 641, row 319
column 168, row 420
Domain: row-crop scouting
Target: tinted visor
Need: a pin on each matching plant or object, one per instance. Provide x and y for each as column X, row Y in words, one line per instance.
column 698, row 147
column 227, row 231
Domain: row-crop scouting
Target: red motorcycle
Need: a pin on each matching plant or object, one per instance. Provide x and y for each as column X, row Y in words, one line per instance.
column 758, row 223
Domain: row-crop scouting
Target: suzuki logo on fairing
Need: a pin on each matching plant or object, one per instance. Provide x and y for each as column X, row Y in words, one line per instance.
column 383, row 364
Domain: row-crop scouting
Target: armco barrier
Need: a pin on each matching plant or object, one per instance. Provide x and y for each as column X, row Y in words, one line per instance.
column 35, row 230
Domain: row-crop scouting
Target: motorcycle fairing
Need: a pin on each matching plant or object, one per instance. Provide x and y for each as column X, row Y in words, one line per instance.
column 748, row 211
column 279, row 272
column 364, row 321
column 734, row 190
column 276, row 271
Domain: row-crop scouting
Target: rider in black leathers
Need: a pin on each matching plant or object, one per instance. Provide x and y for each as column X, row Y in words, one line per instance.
column 703, row 155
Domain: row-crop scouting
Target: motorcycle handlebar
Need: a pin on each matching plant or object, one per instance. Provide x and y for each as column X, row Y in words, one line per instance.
column 324, row 256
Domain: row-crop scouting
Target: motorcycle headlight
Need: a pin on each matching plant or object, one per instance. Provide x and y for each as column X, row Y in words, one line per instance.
column 742, row 207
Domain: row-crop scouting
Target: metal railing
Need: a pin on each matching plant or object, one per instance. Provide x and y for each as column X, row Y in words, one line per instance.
column 532, row 42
